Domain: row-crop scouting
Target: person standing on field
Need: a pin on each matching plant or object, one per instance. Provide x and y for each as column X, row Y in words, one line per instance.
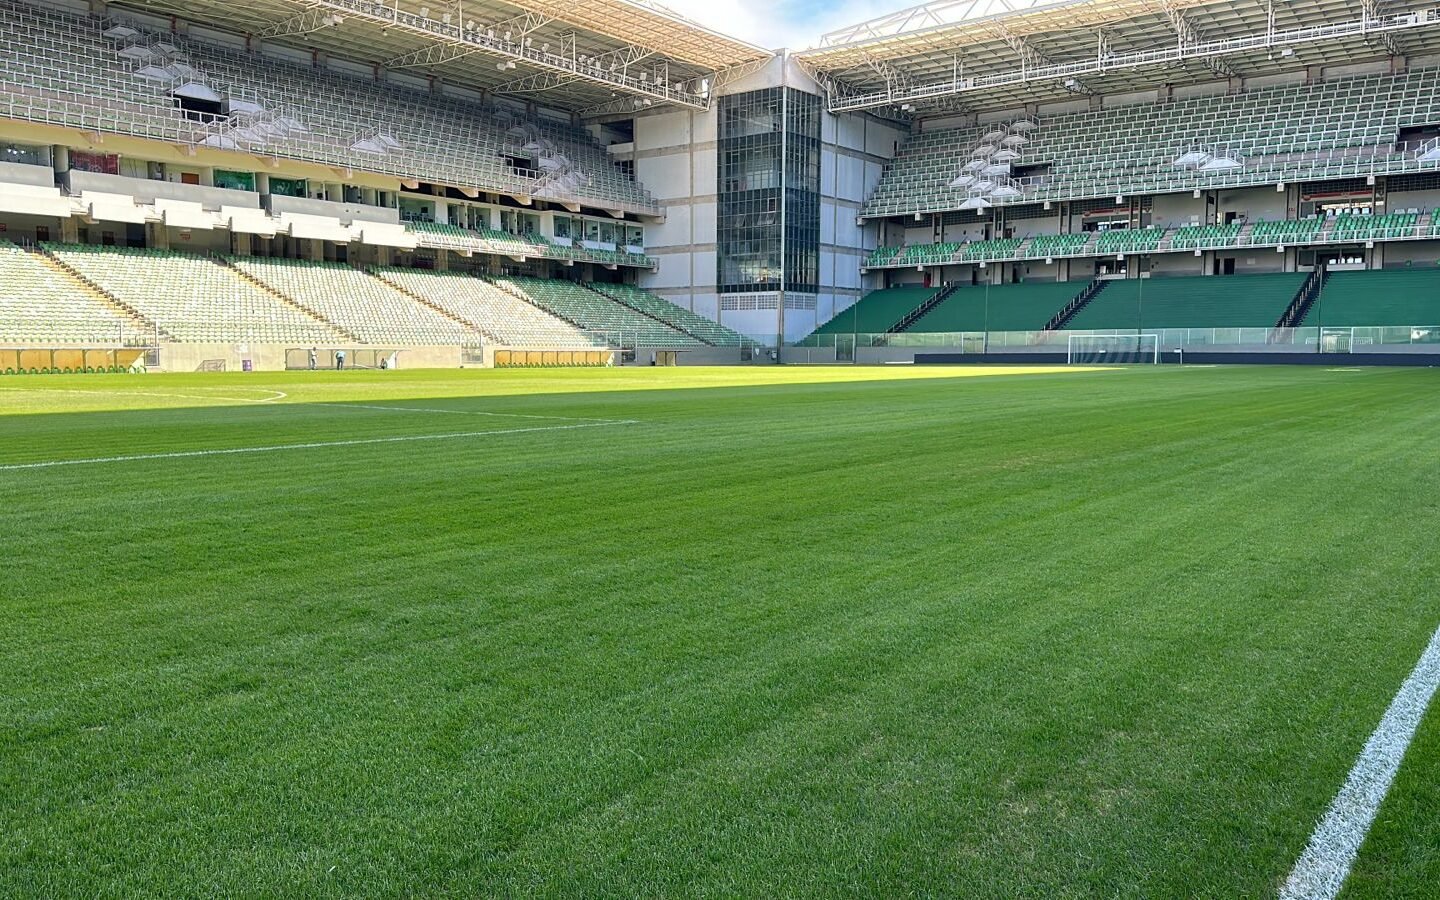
column 339, row 359
column 314, row 358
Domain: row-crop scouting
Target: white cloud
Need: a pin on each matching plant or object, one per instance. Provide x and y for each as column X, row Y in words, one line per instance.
column 796, row 24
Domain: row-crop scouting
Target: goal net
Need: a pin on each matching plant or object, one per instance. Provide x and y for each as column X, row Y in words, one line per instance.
column 1113, row 348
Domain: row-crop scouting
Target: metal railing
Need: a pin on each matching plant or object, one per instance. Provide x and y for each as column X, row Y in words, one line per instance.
column 1324, row 337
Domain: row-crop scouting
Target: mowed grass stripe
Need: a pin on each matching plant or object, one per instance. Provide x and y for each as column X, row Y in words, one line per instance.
column 787, row 640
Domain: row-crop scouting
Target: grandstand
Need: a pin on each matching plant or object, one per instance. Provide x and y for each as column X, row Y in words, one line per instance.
column 202, row 174
column 1027, row 513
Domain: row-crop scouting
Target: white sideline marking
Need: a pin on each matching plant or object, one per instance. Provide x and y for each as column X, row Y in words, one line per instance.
column 275, row 395
column 230, row 451
column 1321, row 870
column 461, row 412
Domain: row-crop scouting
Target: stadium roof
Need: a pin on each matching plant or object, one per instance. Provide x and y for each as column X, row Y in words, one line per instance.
column 590, row 56
column 959, row 54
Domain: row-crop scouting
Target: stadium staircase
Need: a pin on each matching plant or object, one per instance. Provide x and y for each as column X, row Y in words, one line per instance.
column 284, row 300
column 1081, row 300
column 434, row 307
column 920, row 311
column 1299, row 308
column 149, row 329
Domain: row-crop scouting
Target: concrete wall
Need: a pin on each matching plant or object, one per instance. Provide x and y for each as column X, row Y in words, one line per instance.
column 145, row 190
column 345, row 212
column 271, row 357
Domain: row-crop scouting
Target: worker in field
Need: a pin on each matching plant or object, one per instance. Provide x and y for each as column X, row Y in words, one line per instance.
column 339, row 359
column 314, row 358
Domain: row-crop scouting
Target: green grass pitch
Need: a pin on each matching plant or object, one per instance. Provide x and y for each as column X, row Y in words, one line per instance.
column 788, row 632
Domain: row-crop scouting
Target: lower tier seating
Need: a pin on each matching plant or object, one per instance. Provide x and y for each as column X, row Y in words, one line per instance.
column 41, row 304
column 500, row 315
column 1394, row 297
column 363, row 305
column 194, row 299
column 707, row 330
column 1004, row 307
column 596, row 312
column 1218, row 301
column 877, row 311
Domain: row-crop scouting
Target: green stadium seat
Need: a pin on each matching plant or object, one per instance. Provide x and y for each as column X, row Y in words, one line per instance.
column 1217, row 301
column 1391, row 297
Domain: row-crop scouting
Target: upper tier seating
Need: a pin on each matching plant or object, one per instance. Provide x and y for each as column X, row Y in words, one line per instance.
column 1336, row 128
column 1216, row 301
column 1193, row 236
column 1394, row 297
column 41, row 304
column 1369, row 228
column 620, row 324
column 193, row 299
column 1058, row 244
column 1128, row 240
column 878, row 311
column 59, row 68
column 363, row 305
column 1287, row 231
column 707, row 330
column 927, row 254
column 499, row 315
column 1000, row 248
column 881, row 256
column 1004, row 307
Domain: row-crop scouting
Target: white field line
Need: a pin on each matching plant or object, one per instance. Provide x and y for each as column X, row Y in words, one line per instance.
column 465, row 412
column 1322, row 868
column 275, row 395
column 314, row 445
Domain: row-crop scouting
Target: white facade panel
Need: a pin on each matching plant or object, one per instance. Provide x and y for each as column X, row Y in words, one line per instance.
column 666, row 177
column 661, row 131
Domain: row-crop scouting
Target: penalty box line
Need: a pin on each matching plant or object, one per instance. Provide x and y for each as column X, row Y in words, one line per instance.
column 1323, row 867
column 313, row 445
column 469, row 412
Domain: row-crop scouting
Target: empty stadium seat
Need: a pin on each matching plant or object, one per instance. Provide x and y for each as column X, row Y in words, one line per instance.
column 41, row 303
column 707, row 330
column 1390, row 297
column 498, row 314
column 60, row 69
column 877, row 311
column 193, row 299
column 620, row 324
column 1004, row 307
column 1216, row 301
column 361, row 304
column 1331, row 129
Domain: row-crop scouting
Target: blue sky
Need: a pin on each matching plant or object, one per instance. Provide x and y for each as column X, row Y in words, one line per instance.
column 796, row 24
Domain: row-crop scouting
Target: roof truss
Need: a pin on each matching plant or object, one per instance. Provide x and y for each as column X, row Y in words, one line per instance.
column 853, row 81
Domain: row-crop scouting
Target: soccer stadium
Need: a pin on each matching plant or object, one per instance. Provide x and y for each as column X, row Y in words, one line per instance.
column 510, row 448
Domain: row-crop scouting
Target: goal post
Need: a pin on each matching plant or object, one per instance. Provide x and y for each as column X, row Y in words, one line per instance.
column 1113, row 349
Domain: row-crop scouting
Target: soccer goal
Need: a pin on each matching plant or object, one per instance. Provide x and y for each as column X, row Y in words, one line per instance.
column 1113, row 348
